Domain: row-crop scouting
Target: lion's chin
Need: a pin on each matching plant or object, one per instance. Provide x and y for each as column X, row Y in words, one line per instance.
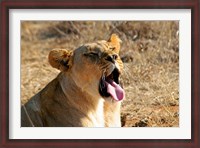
column 109, row 86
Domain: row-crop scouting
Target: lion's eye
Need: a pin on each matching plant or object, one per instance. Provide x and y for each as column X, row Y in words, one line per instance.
column 91, row 54
column 112, row 48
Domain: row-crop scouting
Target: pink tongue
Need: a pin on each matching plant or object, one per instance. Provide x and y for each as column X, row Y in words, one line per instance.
column 115, row 90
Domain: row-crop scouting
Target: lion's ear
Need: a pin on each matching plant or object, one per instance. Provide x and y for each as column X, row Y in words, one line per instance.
column 60, row 59
column 115, row 42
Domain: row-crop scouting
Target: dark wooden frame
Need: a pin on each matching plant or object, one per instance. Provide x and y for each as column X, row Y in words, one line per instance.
column 194, row 5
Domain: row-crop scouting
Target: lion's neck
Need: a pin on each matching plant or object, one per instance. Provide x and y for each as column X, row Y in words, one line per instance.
column 90, row 107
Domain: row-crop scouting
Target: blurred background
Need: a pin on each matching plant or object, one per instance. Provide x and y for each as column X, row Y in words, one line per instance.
column 149, row 50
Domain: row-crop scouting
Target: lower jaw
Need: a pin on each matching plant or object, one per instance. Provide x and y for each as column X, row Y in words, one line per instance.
column 110, row 100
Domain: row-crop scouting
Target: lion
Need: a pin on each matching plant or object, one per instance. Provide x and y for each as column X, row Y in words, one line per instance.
column 86, row 92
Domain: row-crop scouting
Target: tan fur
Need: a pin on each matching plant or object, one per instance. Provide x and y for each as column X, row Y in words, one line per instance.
column 72, row 98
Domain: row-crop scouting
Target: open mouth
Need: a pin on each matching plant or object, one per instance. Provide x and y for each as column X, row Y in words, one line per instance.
column 109, row 86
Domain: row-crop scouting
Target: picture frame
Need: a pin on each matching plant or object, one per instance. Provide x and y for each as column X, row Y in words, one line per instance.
column 89, row 4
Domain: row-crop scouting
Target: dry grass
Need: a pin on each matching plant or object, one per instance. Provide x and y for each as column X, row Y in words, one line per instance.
column 150, row 51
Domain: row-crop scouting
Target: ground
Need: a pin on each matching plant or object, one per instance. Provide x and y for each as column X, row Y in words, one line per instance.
column 150, row 52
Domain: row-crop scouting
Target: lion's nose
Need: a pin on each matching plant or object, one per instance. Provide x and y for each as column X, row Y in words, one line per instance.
column 111, row 58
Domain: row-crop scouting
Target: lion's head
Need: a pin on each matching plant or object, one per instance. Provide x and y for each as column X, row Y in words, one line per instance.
column 94, row 67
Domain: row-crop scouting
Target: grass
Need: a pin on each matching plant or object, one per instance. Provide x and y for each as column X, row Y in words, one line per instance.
column 150, row 52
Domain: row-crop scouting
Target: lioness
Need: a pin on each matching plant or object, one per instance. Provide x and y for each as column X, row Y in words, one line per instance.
column 86, row 93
